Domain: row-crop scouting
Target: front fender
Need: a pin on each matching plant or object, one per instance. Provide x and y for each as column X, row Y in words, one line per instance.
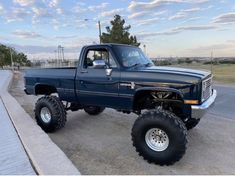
column 167, row 89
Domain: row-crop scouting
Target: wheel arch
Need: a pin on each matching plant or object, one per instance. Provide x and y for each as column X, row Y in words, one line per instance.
column 144, row 91
column 44, row 89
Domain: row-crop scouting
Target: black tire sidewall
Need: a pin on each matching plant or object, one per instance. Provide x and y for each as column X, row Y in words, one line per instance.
column 171, row 153
column 38, row 115
column 57, row 115
column 93, row 110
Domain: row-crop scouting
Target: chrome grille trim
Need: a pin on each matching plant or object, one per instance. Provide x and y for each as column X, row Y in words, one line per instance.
column 206, row 89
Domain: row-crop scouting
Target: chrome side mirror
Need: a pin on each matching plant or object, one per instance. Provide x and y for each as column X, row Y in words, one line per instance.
column 108, row 71
column 99, row 64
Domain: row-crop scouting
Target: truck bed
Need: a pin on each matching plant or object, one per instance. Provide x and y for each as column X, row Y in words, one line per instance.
column 61, row 78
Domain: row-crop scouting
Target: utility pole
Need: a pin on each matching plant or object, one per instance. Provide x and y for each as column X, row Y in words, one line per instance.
column 62, row 51
column 11, row 59
column 55, row 54
column 99, row 30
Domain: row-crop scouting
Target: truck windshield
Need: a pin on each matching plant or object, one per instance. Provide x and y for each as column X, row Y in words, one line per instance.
column 132, row 56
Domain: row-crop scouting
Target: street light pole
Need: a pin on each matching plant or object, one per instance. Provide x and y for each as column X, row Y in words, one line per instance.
column 11, row 59
column 99, row 25
column 145, row 49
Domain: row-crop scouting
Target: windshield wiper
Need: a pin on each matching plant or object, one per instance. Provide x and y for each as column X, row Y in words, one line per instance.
column 148, row 64
column 137, row 64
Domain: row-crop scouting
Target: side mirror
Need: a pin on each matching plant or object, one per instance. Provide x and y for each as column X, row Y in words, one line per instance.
column 99, row 64
column 108, row 71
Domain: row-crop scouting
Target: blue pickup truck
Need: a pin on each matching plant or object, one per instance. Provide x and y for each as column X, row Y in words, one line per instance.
column 169, row 101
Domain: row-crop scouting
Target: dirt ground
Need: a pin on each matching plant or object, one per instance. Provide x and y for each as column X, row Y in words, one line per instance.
column 102, row 144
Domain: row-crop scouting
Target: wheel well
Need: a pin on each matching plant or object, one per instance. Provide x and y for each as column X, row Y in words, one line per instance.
column 149, row 99
column 42, row 89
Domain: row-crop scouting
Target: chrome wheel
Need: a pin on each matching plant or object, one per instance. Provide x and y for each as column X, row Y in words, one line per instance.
column 45, row 115
column 157, row 139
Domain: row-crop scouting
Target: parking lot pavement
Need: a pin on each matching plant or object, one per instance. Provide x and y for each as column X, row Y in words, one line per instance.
column 102, row 144
column 224, row 106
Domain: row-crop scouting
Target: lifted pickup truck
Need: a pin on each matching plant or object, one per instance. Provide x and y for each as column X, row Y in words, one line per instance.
column 168, row 100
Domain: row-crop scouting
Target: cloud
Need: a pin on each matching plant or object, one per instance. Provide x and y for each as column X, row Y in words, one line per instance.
column 195, row 28
column 53, row 3
column 176, row 30
column 137, row 15
column 191, row 10
column 159, row 13
column 224, row 18
column 79, row 8
column 17, row 14
column 98, row 7
column 26, row 34
column 1, row 9
column 65, row 37
column 147, row 21
column 82, row 7
column 210, row 48
column 24, row 2
column 111, row 12
column 184, row 13
column 199, row 1
column 134, row 5
column 231, row 41
column 178, row 15
column 40, row 12
column 191, row 19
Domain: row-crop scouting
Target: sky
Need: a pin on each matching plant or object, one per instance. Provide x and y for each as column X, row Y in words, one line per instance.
column 168, row 28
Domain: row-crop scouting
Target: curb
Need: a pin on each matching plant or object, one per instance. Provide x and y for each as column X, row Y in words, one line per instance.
column 46, row 157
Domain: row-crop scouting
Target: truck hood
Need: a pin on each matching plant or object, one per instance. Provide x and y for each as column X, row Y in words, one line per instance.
column 177, row 71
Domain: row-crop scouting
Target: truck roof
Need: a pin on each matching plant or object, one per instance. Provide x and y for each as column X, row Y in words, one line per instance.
column 110, row 44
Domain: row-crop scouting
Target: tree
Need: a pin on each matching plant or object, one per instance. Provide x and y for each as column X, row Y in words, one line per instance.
column 119, row 33
column 5, row 56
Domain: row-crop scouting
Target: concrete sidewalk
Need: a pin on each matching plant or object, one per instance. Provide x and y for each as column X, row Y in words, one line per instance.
column 13, row 157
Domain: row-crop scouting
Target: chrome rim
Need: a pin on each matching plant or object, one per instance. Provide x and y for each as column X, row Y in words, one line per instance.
column 45, row 115
column 157, row 139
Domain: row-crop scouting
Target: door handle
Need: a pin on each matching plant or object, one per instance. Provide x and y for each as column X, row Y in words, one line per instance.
column 83, row 71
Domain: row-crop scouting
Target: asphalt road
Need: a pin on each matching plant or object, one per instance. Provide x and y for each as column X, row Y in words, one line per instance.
column 102, row 144
column 225, row 105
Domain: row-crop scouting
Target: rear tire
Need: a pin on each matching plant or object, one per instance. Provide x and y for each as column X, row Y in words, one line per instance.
column 160, row 137
column 191, row 123
column 50, row 113
column 93, row 110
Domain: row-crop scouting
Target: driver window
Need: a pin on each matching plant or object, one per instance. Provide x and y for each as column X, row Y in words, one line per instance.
column 101, row 54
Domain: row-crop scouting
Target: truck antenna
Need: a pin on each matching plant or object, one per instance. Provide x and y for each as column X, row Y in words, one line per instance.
column 211, row 61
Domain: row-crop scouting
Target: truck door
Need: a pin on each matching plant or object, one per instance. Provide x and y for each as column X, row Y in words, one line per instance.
column 98, row 78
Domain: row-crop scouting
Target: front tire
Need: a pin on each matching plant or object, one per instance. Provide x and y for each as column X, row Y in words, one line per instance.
column 93, row 110
column 160, row 137
column 50, row 113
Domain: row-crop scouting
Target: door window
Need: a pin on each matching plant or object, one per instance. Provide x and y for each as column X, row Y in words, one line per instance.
column 101, row 54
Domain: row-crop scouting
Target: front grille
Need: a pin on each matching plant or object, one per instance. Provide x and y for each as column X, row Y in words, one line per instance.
column 206, row 88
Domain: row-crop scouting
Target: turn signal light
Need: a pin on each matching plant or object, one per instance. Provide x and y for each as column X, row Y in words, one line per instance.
column 194, row 102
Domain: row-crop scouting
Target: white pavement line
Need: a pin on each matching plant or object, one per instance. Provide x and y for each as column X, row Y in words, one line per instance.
column 46, row 156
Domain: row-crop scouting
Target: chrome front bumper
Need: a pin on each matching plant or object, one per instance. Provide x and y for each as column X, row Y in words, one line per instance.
column 198, row 111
